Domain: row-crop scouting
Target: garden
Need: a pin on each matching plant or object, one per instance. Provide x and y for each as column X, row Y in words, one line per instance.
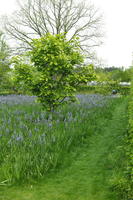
column 57, row 141
column 79, row 153
column 66, row 125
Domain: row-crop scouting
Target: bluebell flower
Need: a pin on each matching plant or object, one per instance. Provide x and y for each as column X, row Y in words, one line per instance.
column 19, row 138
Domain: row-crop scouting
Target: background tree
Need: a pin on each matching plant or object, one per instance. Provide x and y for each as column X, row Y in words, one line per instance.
column 4, row 63
column 22, row 75
column 56, row 70
column 35, row 18
column 121, row 75
column 114, row 73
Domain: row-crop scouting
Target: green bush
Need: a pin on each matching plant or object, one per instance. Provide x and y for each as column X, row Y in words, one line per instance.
column 105, row 89
column 129, row 147
column 122, row 182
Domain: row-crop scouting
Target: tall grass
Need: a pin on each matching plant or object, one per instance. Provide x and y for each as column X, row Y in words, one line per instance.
column 31, row 143
column 122, row 180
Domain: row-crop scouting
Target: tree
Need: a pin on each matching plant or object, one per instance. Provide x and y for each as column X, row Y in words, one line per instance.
column 35, row 18
column 4, row 61
column 121, row 75
column 22, row 75
column 56, row 70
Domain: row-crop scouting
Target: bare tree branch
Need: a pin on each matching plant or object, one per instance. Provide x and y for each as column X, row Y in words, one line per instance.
column 35, row 18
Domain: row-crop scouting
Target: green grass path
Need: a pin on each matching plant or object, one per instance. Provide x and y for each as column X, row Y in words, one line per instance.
column 88, row 172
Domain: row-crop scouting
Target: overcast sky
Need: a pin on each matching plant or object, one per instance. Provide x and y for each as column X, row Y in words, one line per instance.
column 118, row 46
column 118, row 43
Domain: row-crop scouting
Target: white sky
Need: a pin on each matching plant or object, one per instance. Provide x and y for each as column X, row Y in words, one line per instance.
column 7, row 6
column 118, row 43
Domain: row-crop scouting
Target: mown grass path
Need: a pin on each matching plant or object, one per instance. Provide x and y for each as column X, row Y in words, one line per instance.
column 88, row 173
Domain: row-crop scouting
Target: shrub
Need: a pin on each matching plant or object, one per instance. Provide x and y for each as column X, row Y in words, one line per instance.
column 123, row 182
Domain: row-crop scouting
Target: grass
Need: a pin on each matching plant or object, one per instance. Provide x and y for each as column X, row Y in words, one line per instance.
column 87, row 166
column 32, row 143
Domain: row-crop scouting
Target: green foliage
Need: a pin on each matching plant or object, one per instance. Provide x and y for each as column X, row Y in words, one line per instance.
column 104, row 88
column 123, row 180
column 56, row 60
column 4, row 63
column 114, row 74
column 86, row 162
column 108, row 79
column 4, row 48
column 121, row 75
column 31, row 144
column 23, row 75
column 109, row 86
column 56, row 71
column 129, row 148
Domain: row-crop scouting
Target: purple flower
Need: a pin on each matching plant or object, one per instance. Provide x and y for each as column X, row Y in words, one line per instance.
column 49, row 124
column 30, row 134
column 19, row 138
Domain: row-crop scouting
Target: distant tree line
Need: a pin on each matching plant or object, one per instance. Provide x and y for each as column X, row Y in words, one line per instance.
column 118, row 74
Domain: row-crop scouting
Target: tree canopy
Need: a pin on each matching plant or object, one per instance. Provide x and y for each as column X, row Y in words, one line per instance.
column 56, row 70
